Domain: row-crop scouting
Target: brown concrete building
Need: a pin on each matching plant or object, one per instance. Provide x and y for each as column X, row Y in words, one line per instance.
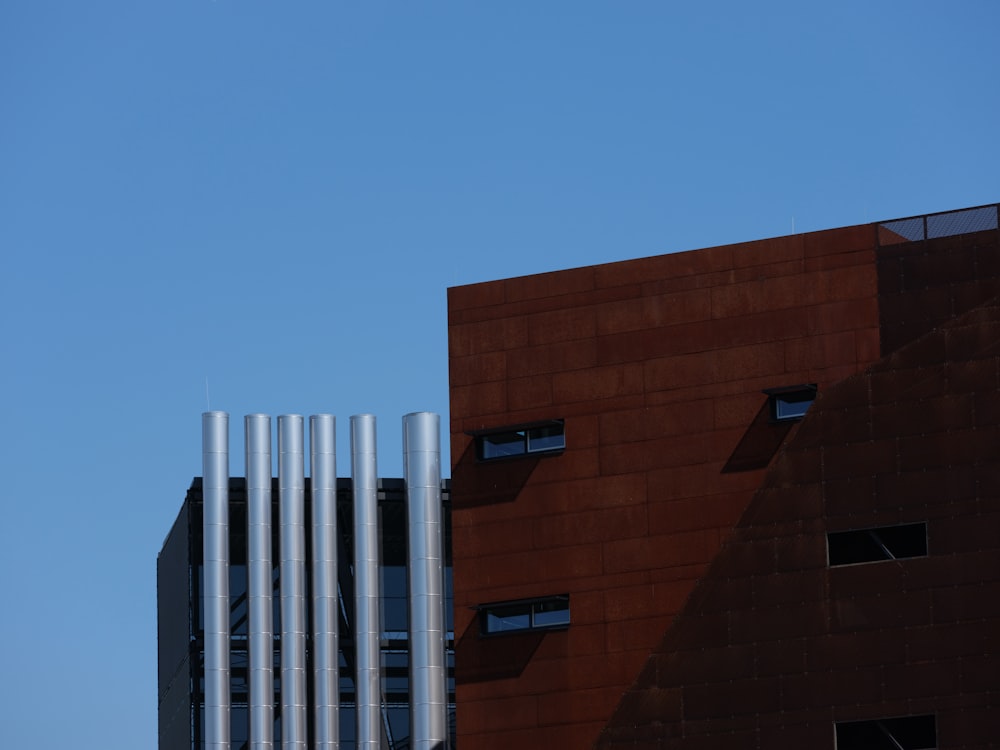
column 661, row 540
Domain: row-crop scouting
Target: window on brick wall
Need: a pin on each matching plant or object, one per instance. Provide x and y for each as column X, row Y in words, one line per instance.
column 900, row 733
column 510, row 442
column 790, row 403
column 876, row 544
column 547, row 613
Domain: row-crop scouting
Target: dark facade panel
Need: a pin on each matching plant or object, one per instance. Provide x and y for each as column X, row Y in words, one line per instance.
column 174, row 641
column 181, row 638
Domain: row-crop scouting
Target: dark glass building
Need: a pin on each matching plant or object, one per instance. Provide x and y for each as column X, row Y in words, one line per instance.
column 181, row 620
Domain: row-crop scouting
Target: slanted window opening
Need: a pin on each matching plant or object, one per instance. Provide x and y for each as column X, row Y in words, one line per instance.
column 547, row 613
column 521, row 440
column 900, row 733
column 790, row 403
column 877, row 544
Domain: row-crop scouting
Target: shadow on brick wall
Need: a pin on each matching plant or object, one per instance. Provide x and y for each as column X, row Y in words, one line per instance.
column 479, row 659
column 476, row 483
column 759, row 443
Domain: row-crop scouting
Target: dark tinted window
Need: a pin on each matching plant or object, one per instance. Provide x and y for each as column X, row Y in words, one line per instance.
column 791, row 403
column 881, row 543
column 535, row 614
column 546, row 438
column 901, row 733
column 501, row 445
column 551, row 438
column 790, row 408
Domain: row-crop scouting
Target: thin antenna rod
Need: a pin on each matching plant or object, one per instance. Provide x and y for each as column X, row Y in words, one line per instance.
column 208, row 401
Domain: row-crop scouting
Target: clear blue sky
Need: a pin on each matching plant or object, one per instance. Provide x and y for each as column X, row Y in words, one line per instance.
column 275, row 196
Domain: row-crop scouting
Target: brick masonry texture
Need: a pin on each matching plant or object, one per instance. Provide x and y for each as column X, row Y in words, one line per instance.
column 687, row 528
column 814, row 644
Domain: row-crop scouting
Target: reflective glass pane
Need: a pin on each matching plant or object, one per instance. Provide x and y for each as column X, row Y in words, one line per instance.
column 399, row 724
column 516, row 617
column 449, row 602
column 394, row 580
column 502, row 444
column 790, row 408
column 552, row 438
column 394, row 604
column 199, row 593
column 550, row 613
column 239, row 725
column 348, row 725
column 238, row 599
column 395, row 683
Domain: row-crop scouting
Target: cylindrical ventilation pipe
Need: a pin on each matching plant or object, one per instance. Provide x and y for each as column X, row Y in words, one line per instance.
column 326, row 688
column 291, row 484
column 215, row 529
column 260, row 581
column 366, row 583
column 428, row 675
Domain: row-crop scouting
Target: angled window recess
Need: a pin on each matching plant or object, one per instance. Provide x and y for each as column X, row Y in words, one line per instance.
column 790, row 403
column 873, row 545
column 901, row 733
column 521, row 440
column 548, row 613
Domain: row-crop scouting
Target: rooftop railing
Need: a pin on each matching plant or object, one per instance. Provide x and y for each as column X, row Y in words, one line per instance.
column 933, row 226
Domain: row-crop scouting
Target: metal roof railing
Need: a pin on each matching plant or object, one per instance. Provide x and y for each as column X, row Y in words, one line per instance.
column 944, row 224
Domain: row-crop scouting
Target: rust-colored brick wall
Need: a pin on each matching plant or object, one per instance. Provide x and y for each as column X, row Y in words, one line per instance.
column 774, row 646
column 657, row 366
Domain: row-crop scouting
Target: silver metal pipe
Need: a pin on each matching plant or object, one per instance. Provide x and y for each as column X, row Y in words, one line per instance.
column 326, row 685
column 291, row 485
column 425, row 581
column 368, row 686
column 260, row 581
column 215, row 526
